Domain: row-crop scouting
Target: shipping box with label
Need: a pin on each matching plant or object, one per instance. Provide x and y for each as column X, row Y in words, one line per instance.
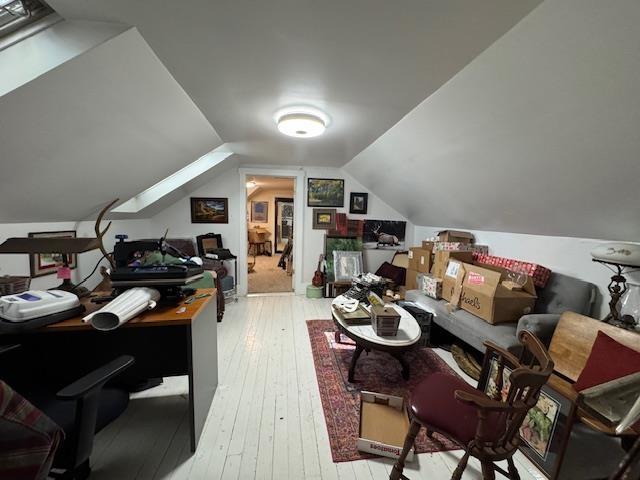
column 484, row 295
column 442, row 260
column 450, row 278
column 420, row 259
column 384, row 423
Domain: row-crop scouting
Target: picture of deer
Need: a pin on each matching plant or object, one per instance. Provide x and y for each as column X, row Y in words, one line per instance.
column 384, row 234
column 386, row 239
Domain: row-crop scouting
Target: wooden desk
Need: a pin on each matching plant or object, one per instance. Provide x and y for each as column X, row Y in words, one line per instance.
column 164, row 343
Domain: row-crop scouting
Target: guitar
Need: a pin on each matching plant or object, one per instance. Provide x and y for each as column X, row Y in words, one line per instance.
column 318, row 277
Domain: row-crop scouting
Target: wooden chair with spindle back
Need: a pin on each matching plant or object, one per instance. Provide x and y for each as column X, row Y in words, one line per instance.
column 485, row 427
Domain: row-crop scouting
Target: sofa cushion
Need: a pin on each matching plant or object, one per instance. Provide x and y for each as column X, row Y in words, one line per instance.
column 564, row 293
column 466, row 326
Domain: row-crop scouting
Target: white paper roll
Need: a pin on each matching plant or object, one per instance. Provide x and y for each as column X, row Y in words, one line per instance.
column 123, row 308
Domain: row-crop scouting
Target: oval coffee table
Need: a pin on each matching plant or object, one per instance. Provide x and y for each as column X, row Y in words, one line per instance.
column 366, row 339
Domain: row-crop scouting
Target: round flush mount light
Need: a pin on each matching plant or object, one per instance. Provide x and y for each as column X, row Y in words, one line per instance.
column 301, row 122
column 251, row 184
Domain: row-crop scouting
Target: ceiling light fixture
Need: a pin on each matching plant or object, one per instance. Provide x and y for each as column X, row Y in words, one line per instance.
column 301, row 122
column 251, row 184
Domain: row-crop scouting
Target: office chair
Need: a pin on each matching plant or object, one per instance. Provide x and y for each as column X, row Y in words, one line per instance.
column 81, row 410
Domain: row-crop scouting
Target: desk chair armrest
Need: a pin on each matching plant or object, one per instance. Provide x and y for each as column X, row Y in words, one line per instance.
column 481, row 402
column 95, row 379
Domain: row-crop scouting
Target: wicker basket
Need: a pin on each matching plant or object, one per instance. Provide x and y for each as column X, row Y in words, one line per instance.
column 10, row 285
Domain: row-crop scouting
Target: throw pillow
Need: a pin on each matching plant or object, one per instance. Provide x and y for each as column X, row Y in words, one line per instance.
column 608, row 360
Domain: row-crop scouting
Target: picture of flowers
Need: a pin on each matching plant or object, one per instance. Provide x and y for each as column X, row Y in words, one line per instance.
column 46, row 263
column 546, row 427
column 325, row 192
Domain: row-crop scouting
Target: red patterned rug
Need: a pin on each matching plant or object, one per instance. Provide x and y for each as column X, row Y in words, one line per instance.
column 376, row 372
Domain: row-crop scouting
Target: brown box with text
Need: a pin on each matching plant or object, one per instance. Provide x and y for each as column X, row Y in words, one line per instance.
column 441, row 260
column 484, row 295
column 420, row 259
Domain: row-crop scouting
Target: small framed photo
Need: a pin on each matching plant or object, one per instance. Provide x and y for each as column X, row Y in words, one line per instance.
column 209, row 210
column 325, row 192
column 324, row 218
column 547, row 426
column 358, row 202
column 41, row 264
column 346, row 265
column 259, row 212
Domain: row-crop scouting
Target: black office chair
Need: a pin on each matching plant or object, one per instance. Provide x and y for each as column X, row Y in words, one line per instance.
column 81, row 409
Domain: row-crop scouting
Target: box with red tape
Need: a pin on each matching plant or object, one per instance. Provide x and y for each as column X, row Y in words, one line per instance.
column 539, row 273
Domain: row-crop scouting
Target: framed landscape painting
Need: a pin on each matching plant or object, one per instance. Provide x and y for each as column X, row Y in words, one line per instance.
column 259, row 212
column 209, row 210
column 324, row 218
column 45, row 263
column 325, row 192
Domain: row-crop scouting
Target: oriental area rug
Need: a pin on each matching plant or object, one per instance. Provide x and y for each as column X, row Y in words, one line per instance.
column 375, row 372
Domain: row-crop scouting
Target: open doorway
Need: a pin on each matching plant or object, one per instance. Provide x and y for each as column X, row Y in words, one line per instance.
column 270, row 214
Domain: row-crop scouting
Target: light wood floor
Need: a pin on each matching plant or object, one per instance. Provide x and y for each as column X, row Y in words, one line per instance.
column 266, row 421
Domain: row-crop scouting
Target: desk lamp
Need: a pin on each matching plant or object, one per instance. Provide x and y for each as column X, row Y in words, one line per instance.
column 62, row 246
column 620, row 258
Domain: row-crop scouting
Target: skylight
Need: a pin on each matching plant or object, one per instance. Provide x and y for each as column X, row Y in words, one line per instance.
column 174, row 181
column 15, row 14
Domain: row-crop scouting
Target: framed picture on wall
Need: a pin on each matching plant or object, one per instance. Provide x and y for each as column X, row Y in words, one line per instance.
column 209, row 210
column 325, row 192
column 546, row 428
column 358, row 203
column 324, row 218
column 259, row 212
column 41, row 264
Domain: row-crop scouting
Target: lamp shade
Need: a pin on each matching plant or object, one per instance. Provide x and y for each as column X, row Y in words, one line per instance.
column 618, row 253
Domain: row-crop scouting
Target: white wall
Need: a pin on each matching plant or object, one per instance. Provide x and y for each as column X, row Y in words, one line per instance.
column 18, row 264
column 177, row 217
column 567, row 255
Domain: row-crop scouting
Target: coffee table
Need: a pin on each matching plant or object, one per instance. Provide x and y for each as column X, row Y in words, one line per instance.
column 366, row 339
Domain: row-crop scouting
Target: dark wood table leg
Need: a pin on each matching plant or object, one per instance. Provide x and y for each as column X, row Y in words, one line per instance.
column 338, row 336
column 354, row 360
column 403, row 363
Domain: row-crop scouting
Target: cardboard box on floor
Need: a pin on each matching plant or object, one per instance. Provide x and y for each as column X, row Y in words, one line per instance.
column 411, row 279
column 384, row 423
column 456, row 236
column 441, row 260
column 420, row 259
column 484, row 295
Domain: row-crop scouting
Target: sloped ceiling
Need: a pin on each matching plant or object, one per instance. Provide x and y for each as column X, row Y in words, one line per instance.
column 108, row 123
column 366, row 63
column 539, row 134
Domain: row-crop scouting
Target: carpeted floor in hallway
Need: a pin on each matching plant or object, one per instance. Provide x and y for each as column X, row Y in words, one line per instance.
column 267, row 277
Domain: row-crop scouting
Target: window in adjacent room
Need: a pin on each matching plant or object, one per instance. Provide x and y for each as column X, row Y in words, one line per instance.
column 15, row 14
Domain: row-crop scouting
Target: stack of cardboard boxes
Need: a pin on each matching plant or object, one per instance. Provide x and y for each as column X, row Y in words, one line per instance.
column 443, row 268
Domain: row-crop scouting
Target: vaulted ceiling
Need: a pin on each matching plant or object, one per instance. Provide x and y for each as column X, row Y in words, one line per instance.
column 539, row 134
column 366, row 63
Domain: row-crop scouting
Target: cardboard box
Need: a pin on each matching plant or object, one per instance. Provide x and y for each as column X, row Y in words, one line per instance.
column 461, row 247
column 384, row 423
column 428, row 244
column 430, row 285
column 450, row 278
column 420, row 259
column 539, row 273
column 456, row 236
column 411, row 280
column 484, row 295
column 441, row 260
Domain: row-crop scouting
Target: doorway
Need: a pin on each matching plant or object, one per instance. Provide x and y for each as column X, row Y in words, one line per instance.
column 270, row 214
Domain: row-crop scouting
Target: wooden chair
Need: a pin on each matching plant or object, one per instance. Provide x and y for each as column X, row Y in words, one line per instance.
column 486, row 428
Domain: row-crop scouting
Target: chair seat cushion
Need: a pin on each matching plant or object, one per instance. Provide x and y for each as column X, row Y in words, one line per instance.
column 433, row 404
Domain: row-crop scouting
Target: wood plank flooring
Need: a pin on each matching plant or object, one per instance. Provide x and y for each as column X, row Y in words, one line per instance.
column 266, row 421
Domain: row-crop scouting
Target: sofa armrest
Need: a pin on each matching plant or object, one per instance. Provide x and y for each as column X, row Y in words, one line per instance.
column 542, row 325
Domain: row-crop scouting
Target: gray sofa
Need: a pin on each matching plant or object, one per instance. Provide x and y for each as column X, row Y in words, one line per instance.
column 562, row 293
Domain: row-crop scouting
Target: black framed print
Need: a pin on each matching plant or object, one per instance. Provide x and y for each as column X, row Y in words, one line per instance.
column 358, row 203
